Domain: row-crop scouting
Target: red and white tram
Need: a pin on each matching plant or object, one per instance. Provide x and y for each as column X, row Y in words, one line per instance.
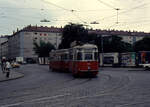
column 79, row 60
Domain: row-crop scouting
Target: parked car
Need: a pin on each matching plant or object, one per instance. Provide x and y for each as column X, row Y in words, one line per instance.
column 146, row 66
column 15, row 65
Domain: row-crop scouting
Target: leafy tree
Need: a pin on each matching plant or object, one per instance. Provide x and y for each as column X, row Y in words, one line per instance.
column 73, row 32
column 77, row 32
column 42, row 49
column 113, row 44
column 142, row 45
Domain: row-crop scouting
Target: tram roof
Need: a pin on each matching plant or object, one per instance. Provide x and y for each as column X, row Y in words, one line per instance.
column 86, row 46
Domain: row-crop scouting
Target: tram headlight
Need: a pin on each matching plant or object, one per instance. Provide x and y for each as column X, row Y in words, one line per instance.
column 89, row 68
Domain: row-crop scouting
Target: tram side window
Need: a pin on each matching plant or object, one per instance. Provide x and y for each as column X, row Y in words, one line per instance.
column 88, row 56
column 96, row 55
column 64, row 57
column 70, row 56
column 79, row 56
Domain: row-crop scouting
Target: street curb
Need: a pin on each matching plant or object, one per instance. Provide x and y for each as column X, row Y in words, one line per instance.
column 7, row 79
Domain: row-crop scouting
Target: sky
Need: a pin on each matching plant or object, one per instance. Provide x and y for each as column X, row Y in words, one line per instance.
column 131, row 15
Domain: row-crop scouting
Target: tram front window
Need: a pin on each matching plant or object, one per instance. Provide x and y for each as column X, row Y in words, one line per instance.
column 88, row 56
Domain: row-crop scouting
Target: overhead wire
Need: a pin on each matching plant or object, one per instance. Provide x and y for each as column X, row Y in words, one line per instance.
column 55, row 5
column 126, row 11
column 73, row 11
column 93, row 10
column 106, row 4
column 42, row 9
column 70, row 10
column 136, row 7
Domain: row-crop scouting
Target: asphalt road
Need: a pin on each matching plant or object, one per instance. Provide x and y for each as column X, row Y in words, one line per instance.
column 114, row 87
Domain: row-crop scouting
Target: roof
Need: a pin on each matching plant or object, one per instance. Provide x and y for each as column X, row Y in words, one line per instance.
column 42, row 29
column 97, row 31
column 118, row 32
column 88, row 46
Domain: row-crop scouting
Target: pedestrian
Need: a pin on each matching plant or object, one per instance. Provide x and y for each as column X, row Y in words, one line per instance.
column 3, row 64
column 8, row 66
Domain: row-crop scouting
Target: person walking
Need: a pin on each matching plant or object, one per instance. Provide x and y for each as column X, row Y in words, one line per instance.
column 3, row 64
column 8, row 66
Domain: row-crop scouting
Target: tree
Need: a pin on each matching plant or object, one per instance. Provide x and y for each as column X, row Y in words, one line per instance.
column 113, row 44
column 73, row 32
column 42, row 49
column 142, row 45
column 117, row 45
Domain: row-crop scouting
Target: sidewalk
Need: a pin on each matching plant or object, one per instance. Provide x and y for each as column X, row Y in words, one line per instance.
column 13, row 75
column 122, row 69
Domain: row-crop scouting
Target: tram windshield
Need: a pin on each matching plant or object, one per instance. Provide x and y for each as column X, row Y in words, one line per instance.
column 88, row 56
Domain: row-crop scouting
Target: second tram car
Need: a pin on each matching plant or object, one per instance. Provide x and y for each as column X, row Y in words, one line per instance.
column 79, row 60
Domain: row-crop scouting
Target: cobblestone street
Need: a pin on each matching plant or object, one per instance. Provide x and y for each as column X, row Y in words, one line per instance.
column 114, row 87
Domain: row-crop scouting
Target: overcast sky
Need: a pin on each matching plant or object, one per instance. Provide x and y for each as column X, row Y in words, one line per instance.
column 133, row 14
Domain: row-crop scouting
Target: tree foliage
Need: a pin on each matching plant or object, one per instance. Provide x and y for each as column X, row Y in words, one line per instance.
column 77, row 32
column 117, row 45
column 73, row 32
column 42, row 49
column 113, row 44
column 142, row 45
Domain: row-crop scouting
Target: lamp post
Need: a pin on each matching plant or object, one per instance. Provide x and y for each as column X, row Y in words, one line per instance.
column 1, row 47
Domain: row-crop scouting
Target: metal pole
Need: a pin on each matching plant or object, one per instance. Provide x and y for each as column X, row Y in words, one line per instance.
column 117, row 15
column 102, row 48
column 56, row 40
column 1, row 46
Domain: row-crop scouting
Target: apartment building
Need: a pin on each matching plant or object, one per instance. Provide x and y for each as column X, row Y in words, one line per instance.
column 20, row 44
column 4, row 46
column 4, row 49
column 127, row 36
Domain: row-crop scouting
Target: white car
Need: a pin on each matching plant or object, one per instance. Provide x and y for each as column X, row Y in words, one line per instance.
column 146, row 66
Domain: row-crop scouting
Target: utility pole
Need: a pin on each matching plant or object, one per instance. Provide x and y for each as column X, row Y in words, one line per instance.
column 102, row 49
column 56, row 40
column 117, row 9
column 1, row 46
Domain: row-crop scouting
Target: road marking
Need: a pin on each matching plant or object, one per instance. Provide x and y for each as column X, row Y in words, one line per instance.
column 36, row 100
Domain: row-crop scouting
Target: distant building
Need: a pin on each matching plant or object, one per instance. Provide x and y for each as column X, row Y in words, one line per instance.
column 127, row 36
column 4, row 49
column 4, row 46
column 20, row 44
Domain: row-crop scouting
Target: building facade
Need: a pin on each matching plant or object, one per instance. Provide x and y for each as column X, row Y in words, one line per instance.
column 127, row 36
column 4, row 49
column 4, row 46
column 20, row 44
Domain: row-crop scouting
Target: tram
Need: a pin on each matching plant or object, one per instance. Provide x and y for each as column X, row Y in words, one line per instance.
column 79, row 60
